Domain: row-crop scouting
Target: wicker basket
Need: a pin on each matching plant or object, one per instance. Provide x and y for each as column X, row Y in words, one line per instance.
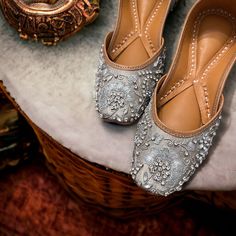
column 109, row 191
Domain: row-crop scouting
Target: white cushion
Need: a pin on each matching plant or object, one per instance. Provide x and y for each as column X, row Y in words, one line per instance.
column 54, row 86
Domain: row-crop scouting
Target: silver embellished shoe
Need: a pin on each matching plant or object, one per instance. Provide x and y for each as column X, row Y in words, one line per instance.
column 177, row 129
column 131, row 60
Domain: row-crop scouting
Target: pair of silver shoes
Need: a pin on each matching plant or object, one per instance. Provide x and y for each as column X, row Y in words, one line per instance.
column 164, row 159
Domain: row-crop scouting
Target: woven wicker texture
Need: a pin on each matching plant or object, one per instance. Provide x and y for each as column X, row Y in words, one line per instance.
column 109, row 191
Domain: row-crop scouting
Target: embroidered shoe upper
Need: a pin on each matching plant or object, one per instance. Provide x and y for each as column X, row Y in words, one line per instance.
column 162, row 162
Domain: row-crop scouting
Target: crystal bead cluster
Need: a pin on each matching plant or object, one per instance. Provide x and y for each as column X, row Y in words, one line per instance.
column 160, row 170
column 116, row 100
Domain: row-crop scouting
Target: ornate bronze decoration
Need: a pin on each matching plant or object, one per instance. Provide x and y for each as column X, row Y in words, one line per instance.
column 49, row 21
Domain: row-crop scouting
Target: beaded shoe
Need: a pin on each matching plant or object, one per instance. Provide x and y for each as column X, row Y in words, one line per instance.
column 131, row 60
column 176, row 132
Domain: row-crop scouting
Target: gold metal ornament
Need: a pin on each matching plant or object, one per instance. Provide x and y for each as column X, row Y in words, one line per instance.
column 49, row 21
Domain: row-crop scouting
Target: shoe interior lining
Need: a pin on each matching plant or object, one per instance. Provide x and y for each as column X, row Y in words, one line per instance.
column 191, row 96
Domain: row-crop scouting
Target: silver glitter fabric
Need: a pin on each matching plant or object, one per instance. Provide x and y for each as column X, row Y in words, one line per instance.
column 122, row 95
column 162, row 162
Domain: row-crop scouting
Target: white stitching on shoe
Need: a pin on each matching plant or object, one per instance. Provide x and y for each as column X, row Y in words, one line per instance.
column 149, row 22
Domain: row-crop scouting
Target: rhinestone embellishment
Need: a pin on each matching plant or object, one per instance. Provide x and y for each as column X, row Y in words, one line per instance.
column 116, row 100
column 160, row 171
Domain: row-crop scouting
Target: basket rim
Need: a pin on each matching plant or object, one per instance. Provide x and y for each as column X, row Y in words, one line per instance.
column 94, row 164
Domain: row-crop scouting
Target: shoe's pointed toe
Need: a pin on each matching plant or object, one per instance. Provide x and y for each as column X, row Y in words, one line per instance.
column 122, row 95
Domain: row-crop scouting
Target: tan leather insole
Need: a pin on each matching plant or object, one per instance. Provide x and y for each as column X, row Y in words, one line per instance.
column 192, row 99
column 138, row 34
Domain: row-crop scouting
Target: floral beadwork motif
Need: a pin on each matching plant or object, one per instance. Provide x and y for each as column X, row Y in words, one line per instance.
column 162, row 163
column 116, row 100
column 122, row 95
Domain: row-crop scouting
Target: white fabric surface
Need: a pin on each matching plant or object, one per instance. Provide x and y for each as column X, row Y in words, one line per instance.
column 54, row 86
